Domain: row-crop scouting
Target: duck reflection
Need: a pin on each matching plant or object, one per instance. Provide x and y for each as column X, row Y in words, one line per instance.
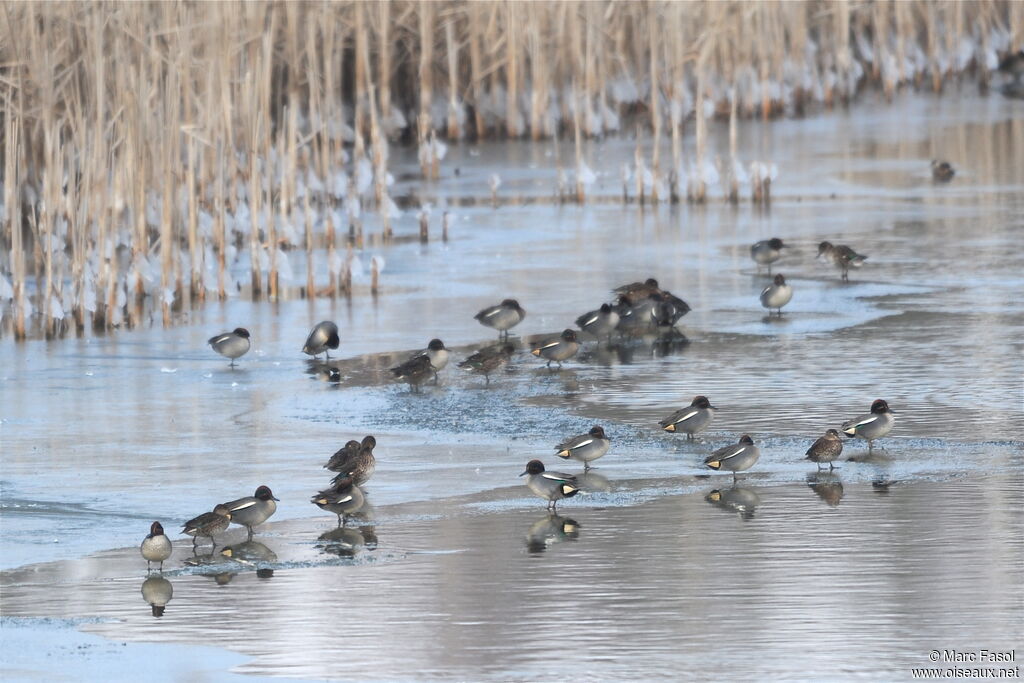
column 551, row 529
column 342, row 541
column 632, row 349
column 737, row 499
column 249, row 552
column 827, row 486
column 157, row 591
column 325, row 372
column 591, row 481
column 212, row 559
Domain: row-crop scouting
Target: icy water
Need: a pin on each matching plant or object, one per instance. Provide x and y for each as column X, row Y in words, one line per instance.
column 454, row 570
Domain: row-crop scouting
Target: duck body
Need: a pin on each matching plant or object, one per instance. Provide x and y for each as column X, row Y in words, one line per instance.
column 208, row 524
column 251, row 511
column 559, row 349
column 776, row 295
column 767, row 252
column 690, row 420
column 156, row 547
column 233, row 345
column 600, row 323
column 876, row 424
column 736, row 458
column 551, row 486
column 502, row 317
column 586, row 447
column 414, row 372
column 942, row 171
column 841, row 256
column 322, row 338
column 355, row 460
column 826, row 449
column 342, row 499
column 485, row 361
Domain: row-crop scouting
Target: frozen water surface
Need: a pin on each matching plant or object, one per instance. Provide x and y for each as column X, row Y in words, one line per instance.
column 453, row 570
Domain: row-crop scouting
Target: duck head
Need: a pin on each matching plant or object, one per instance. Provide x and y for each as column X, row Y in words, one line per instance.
column 155, row 529
column 264, row 493
column 435, row 345
column 597, row 432
column 702, row 402
column 880, row 406
column 241, row 332
column 746, row 440
column 533, row 467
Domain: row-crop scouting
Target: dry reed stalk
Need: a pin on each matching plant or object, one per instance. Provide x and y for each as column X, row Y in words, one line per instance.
column 219, row 225
column 12, row 136
column 653, row 25
column 374, row 277
column 512, row 123
column 310, row 266
column 384, row 59
column 426, row 80
column 538, row 71
column 475, row 65
column 581, row 190
column 452, row 51
column 734, row 181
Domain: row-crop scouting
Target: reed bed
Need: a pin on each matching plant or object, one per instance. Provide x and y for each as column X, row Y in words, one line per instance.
column 155, row 153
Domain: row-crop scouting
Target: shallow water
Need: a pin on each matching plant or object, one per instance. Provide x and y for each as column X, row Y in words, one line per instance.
column 104, row 434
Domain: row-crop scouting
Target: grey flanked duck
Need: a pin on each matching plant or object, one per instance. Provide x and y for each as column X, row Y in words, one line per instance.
column 776, row 295
column 558, row 349
column 841, row 256
column 208, row 524
column 942, row 171
column 414, row 371
column 485, row 361
column 231, row 345
column 766, row 252
column 502, row 317
column 342, row 499
column 251, row 511
column 692, row 419
column 156, row 547
column 600, row 323
column 874, row 425
column 586, row 447
column 736, row 458
column 826, row 449
column 322, row 338
column 355, row 460
column 551, row 486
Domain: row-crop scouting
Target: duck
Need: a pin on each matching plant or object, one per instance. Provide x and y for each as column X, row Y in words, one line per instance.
column 502, row 317
column 874, row 425
column 231, row 345
column 335, row 462
column 942, row 171
column 551, row 486
column 355, row 460
column 207, row 524
column 487, row 360
column 635, row 292
column 342, row 499
column 438, row 355
column 322, row 338
column 414, row 372
column 658, row 312
column 600, row 323
column 767, row 252
column 841, row 256
column 776, row 295
column 826, row 449
column 690, row 420
column 156, row 547
column 1013, row 65
column 558, row 349
column 586, row 447
column 253, row 510
column 736, row 458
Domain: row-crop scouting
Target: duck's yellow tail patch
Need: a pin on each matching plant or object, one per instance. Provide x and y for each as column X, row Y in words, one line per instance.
column 535, row 352
column 714, row 464
column 670, row 428
column 563, row 454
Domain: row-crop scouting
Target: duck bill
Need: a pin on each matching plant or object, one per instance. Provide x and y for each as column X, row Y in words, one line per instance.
column 277, row 499
column 525, row 472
